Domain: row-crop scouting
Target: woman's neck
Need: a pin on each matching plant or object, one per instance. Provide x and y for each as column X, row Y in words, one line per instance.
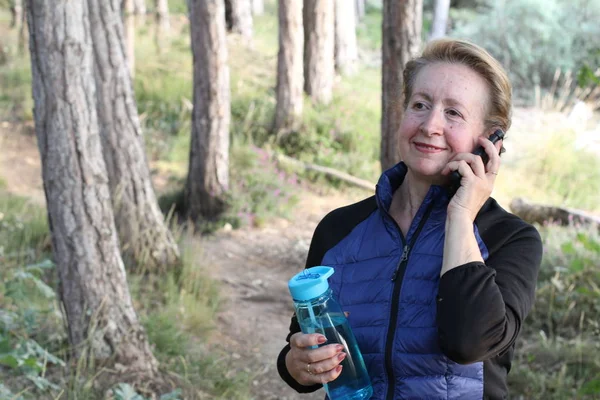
column 407, row 199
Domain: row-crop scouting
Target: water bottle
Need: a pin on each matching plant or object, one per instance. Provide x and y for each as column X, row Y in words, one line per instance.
column 319, row 312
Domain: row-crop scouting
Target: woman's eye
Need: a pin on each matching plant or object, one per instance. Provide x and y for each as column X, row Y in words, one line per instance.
column 419, row 106
column 453, row 113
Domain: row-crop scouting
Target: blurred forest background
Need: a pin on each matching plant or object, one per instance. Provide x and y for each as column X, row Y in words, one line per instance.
column 272, row 164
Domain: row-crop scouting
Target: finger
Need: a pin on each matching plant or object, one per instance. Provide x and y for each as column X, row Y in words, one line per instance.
column 322, row 353
column 473, row 162
column 328, row 376
column 304, row 340
column 328, row 364
column 492, row 151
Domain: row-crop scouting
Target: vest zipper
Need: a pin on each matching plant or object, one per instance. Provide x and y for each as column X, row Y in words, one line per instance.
column 399, row 273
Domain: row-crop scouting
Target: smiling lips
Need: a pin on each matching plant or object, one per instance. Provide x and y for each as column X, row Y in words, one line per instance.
column 428, row 148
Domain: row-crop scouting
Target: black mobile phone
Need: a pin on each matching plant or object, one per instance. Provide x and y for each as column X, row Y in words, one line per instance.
column 455, row 176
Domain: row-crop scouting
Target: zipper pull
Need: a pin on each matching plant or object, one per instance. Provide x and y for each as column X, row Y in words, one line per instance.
column 403, row 259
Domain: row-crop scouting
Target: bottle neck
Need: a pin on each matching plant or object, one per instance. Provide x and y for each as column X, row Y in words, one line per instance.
column 315, row 300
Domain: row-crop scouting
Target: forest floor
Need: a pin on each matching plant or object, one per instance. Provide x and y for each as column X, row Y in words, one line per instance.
column 252, row 265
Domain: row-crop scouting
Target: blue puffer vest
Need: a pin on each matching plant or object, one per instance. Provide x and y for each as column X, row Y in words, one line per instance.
column 395, row 320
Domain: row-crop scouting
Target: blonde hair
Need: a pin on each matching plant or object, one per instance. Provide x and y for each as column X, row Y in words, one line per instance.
column 462, row 52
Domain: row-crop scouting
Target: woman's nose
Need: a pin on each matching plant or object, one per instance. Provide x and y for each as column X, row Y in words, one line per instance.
column 433, row 124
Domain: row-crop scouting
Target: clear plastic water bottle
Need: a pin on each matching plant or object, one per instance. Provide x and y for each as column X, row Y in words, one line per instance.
column 319, row 312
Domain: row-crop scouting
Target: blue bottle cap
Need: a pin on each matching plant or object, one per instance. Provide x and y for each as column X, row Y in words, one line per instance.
column 310, row 283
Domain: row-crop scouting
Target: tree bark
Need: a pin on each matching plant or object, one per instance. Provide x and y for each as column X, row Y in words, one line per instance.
column 290, row 77
column 139, row 9
column 162, row 17
column 16, row 15
column 540, row 214
column 401, row 41
column 208, row 177
column 360, row 9
column 241, row 17
column 319, row 56
column 143, row 234
column 129, row 23
column 258, row 7
column 102, row 322
column 346, row 50
column 440, row 19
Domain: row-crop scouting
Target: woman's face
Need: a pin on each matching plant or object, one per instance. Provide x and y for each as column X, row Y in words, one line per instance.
column 444, row 116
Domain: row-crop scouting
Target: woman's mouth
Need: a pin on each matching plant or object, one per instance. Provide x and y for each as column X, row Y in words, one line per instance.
column 428, row 148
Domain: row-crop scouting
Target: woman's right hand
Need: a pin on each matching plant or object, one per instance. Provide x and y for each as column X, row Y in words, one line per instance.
column 311, row 366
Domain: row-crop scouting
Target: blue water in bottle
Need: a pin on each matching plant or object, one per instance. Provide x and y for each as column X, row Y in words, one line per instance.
column 319, row 312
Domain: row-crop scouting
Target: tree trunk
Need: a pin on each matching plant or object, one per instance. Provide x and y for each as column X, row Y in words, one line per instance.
column 258, row 7
column 541, row 214
column 129, row 23
column 440, row 19
column 241, row 17
column 22, row 39
column 401, row 41
column 208, row 177
column 346, row 51
column 16, row 15
column 360, row 9
column 139, row 9
column 143, row 235
column 290, row 77
column 162, row 17
column 319, row 56
column 102, row 322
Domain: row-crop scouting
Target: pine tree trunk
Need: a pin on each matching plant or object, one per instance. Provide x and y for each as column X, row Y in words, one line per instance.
column 241, row 17
column 440, row 19
column 162, row 17
column 143, row 234
column 258, row 7
column 346, row 50
column 208, row 177
column 401, row 41
column 129, row 24
column 139, row 9
column 16, row 15
column 102, row 322
column 360, row 10
column 319, row 56
column 289, row 67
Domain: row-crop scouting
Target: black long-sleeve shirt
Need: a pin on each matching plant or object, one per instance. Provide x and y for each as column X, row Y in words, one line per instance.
column 480, row 306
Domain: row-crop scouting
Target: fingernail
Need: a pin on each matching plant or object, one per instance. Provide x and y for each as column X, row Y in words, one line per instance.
column 338, row 368
column 321, row 339
column 339, row 348
column 341, row 356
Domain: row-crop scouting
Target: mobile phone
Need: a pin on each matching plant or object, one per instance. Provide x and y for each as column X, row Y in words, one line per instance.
column 455, row 176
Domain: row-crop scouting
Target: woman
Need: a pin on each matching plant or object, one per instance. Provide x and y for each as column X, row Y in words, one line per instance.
column 437, row 287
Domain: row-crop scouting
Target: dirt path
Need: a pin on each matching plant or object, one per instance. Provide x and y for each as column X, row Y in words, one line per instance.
column 254, row 266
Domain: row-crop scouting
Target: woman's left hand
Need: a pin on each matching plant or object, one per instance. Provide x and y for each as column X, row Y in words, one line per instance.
column 477, row 180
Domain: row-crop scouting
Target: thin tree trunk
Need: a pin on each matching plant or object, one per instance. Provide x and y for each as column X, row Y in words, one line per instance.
column 143, row 234
column 163, row 23
column 102, row 322
column 22, row 39
column 289, row 67
column 139, row 9
column 129, row 23
column 319, row 69
column 440, row 19
column 360, row 10
column 346, row 50
column 241, row 17
column 16, row 15
column 401, row 41
column 258, row 7
column 208, row 177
